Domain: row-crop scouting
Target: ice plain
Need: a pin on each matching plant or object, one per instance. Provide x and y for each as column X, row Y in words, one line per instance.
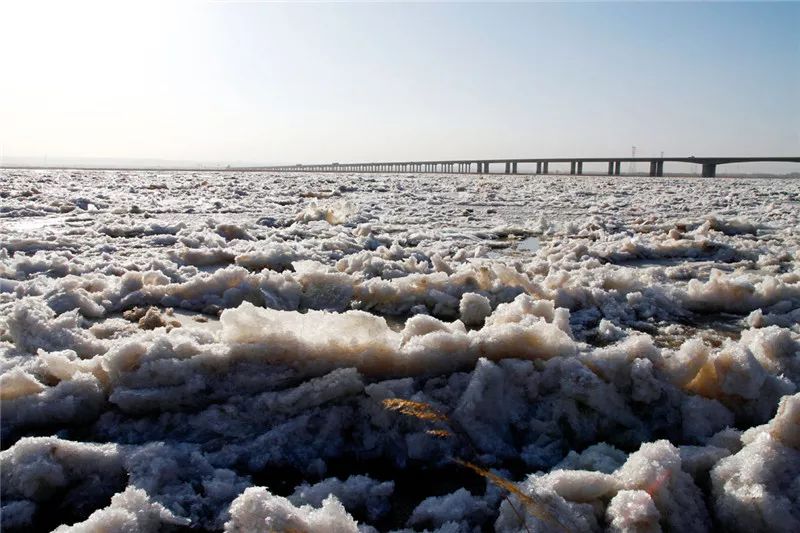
column 212, row 351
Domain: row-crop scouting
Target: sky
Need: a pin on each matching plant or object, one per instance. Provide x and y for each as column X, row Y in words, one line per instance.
column 289, row 83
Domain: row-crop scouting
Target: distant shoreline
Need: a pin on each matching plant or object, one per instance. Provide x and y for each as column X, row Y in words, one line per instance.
column 793, row 175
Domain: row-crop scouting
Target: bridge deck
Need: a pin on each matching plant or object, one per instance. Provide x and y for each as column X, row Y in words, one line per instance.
column 481, row 166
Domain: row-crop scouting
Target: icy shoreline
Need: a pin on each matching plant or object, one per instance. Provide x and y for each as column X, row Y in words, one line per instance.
column 635, row 370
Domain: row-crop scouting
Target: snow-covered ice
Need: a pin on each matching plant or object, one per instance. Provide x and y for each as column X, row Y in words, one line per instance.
column 213, row 351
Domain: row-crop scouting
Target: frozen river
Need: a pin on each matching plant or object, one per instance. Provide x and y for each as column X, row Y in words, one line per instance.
column 220, row 350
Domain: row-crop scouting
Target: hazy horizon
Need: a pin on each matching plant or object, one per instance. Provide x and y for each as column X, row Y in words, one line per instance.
column 274, row 83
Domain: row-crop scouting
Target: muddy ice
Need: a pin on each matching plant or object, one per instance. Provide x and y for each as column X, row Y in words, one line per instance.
column 260, row 352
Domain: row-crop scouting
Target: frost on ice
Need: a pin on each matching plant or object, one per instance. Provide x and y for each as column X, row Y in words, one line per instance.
column 220, row 357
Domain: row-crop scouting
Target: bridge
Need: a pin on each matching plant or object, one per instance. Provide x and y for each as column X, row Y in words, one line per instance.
column 510, row 166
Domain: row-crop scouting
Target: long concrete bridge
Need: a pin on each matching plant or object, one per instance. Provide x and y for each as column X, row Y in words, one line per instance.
column 510, row 166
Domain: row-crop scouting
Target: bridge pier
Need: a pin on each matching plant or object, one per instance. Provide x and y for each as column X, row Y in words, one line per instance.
column 659, row 168
column 572, row 168
column 508, row 167
column 580, row 167
column 653, row 166
column 545, row 167
column 709, row 170
column 514, row 167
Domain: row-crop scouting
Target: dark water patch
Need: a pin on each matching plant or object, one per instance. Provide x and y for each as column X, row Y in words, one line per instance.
column 512, row 247
column 529, row 244
column 73, row 503
column 413, row 483
column 713, row 329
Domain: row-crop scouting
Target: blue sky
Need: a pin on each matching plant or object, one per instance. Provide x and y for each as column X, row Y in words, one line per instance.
column 273, row 83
